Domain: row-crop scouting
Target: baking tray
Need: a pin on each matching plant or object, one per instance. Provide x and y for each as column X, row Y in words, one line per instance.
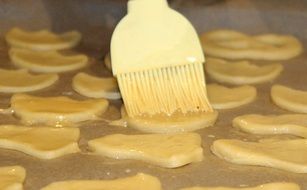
column 96, row 19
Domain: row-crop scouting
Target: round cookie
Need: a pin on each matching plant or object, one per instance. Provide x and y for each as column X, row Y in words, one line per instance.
column 241, row 72
column 289, row 99
column 16, row 81
column 221, row 97
column 95, row 87
column 47, row 61
column 177, row 123
column 42, row 40
column 231, row 44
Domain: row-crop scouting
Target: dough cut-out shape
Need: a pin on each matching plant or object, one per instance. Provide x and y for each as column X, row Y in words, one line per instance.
column 293, row 124
column 56, row 110
column 96, row 87
column 277, row 138
column 47, row 61
column 289, row 155
column 138, row 182
column 12, row 177
column 164, row 150
column 221, row 97
column 231, row 44
column 241, row 72
column 42, row 40
column 289, row 98
column 267, row 186
column 177, row 123
column 13, row 81
column 107, row 61
column 41, row 142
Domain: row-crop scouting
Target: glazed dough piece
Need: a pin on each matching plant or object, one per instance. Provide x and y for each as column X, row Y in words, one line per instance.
column 12, row 81
column 42, row 40
column 41, row 142
column 289, row 155
column 293, row 124
column 12, row 177
column 107, row 61
column 221, row 97
column 177, row 123
column 56, row 110
column 241, row 72
column 289, row 99
column 138, row 182
column 232, row 44
column 47, row 61
column 164, row 150
column 96, row 87
column 277, row 138
column 268, row 186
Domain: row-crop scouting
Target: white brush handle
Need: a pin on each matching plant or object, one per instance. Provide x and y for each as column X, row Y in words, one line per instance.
column 145, row 6
column 153, row 36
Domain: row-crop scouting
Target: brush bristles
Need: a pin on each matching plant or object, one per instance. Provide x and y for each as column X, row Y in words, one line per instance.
column 165, row 90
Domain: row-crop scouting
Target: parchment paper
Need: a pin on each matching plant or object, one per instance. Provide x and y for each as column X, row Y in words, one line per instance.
column 96, row 19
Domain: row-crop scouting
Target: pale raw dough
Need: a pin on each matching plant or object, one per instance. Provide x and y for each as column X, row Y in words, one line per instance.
column 221, row 97
column 42, row 40
column 289, row 155
column 47, row 61
column 289, row 99
column 268, row 186
column 277, row 138
column 119, row 122
column 12, row 177
column 107, row 61
column 56, row 110
column 231, row 44
column 138, row 182
column 41, row 142
column 241, row 72
column 177, row 123
column 95, row 87
column 12, row 81
column 164, row 150
column 293, row 124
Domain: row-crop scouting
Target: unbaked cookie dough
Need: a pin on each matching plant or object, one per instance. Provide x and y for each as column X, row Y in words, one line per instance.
column 241, row 72
column 107, row 61
column 42, row 40
column 293, row 124
column 221, row 97
column 60, row 110
column 177, row 123
column 47, row 61
column 164, row 150
column 41, row 142
column 95, row 87
column 267, row 186
column 289, row 155
column 289, row 99
column 12, row 177
column 231, row 44
column 138, row 182
column 13, row 81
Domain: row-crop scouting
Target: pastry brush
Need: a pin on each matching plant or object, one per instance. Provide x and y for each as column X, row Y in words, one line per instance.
column 158, row 61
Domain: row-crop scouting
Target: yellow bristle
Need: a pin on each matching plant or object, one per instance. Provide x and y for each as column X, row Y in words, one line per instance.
column 165, row 90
